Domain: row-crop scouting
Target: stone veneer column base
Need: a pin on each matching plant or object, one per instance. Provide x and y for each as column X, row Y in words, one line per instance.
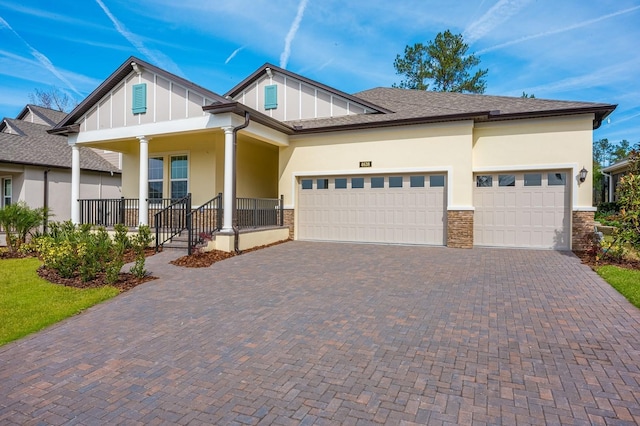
column 460, row 228
column 289, row 220
column 583, row 224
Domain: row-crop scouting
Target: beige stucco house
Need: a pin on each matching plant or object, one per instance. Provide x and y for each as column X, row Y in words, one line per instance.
column 35, row 166
column 385, row 165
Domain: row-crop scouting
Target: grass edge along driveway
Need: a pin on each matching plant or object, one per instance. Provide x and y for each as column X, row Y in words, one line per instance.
column 29, row 303
column 625, row 281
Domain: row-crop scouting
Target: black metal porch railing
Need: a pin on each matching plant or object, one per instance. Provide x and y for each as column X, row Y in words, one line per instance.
column 203, row 221
column 169, row 217
column 260, row 212
column 109, row 212
column 171, row 220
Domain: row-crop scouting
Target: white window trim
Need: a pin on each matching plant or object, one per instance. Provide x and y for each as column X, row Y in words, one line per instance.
column 2, row 181
column 171, row 180
column 166, row 169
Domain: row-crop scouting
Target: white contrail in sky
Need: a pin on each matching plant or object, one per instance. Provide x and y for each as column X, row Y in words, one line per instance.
column 40, row 57
column 558, row 31
column 284, row 56
column 156, row 57
column 499, row 13
column 233, row 55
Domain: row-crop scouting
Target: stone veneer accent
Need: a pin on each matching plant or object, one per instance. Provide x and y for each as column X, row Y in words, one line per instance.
column 460, row 228
column 582, row 225
column 289, row 221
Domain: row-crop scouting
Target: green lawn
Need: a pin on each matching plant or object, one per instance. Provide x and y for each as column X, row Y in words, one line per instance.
column 28, row 303
column 626, row 281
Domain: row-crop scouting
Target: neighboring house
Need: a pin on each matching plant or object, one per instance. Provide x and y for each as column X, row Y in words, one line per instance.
column 613, row 173
column 35, row 166
column 386, row 165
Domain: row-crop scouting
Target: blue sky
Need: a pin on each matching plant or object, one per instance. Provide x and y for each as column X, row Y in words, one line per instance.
column 568, row 49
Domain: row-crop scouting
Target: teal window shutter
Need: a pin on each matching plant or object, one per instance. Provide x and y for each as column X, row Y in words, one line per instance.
column 139, row 103
column 271, row 97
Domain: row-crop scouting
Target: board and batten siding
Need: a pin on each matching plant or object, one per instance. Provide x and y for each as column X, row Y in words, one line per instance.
column 166, row 101
column 297, row 100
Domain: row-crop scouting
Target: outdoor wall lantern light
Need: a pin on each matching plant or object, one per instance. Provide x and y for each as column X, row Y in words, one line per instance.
column 583, row 174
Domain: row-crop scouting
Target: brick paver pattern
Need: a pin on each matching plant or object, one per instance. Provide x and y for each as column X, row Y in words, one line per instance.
column 321, row 333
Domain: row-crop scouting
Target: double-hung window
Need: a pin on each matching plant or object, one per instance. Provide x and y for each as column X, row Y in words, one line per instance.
column 176, row 168
column 156, row 173
column 7, row 192
column 179, row 176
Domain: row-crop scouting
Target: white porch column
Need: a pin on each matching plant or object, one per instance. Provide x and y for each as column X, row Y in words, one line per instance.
column 143, row 194
column 229, row 161
column 75, row 184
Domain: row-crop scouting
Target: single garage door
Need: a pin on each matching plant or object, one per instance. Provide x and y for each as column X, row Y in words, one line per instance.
column 522, row 210
column 401, row 209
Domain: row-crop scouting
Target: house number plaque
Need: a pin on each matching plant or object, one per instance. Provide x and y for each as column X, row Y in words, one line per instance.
column 365, row 164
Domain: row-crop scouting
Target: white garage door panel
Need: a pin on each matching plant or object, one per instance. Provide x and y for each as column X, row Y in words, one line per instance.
column 409, row 215
column 523, row 216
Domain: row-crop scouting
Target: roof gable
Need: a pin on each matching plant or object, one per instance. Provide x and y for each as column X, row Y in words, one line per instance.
column 285, row 96
column 168, row 97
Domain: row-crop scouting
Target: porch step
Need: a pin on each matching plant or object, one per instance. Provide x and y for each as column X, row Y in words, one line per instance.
column 180, row 241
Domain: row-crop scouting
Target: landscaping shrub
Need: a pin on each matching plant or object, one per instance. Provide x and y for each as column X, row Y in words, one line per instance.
column 628, row 231
column 71, row 249
column 139, row 243
column 19, row 220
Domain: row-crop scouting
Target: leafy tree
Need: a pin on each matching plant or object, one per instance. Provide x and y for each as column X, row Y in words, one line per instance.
column 629, row 202
column 620, row 151
column 443, row 62
column 601, row 151
column 53, row 99
column 528, row 96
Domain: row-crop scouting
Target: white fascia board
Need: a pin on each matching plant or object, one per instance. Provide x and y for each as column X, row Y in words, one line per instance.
column 185, row 125
column 266, row 134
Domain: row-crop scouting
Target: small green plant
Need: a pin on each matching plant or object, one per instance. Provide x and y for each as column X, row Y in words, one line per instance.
column 18, row 221
column 139, row 243
column 120, row 244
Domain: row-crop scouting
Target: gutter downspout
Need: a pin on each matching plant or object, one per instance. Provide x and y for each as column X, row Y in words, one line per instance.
column 45, row 202
column 234, row 207
column 609, row 186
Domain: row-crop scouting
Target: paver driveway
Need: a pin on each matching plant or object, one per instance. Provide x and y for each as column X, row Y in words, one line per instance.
column 340, row 334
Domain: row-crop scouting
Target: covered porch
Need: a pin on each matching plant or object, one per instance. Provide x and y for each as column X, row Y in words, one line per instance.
column 180, row 183
column 187, row 153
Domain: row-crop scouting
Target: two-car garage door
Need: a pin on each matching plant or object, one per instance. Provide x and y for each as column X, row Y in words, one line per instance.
column 402, row 209
column 522, row 210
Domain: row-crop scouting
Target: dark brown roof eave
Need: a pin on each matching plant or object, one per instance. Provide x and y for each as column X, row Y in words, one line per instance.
column 65, row 131
column 258, row 117
column 600, row 113
column 57, row 166
column 395, row 123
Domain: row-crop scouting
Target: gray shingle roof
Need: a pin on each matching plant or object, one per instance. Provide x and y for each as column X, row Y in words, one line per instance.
column 37, row 147
column 52, row 116
column 418, row 105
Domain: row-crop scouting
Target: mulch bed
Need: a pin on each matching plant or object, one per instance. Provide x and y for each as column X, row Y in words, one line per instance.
column 206, row 259
column 126, row 281
column 589, row 259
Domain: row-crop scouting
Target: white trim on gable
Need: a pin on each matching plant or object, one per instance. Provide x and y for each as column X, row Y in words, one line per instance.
column 312, row 101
